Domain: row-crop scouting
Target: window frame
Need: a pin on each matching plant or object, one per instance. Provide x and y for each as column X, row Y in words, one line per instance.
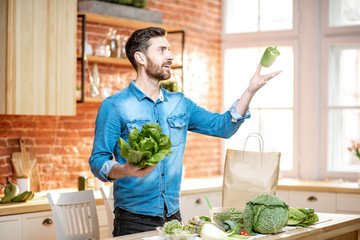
column 328, row 30
column 311, row 38
column 269, row 38
column 329, row 39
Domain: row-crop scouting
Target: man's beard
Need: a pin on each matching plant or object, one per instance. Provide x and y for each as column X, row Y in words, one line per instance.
column 156, row 71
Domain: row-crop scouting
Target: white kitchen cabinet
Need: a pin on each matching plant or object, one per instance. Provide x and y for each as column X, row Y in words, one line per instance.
column 323, row 202
column 283, row 194
column 10, row 227
column 38, row 226
column 195, row 204
column 348, row 203
column 103, row 223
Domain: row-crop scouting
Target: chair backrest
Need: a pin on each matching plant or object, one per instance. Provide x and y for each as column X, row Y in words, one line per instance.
column 108, row 196
column 75, row 215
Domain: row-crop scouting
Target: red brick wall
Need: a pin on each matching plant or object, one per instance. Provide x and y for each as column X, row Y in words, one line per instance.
column 63, row 144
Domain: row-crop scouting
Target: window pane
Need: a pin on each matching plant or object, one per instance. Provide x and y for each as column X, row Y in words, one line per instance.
column 343, row 126
column 243, row 16
column 240, row 65
column 273, row 17
column 344, row 12
column 276, row 127
column 344, row 76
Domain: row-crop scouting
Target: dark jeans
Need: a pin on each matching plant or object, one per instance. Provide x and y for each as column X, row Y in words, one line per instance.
column 127, row 223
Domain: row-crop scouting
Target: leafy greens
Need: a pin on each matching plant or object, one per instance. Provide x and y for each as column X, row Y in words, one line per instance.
column 266, row 213
column 302, row 217
column 147, row 147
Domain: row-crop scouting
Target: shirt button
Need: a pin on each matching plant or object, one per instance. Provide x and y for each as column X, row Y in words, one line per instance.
column 162, row 174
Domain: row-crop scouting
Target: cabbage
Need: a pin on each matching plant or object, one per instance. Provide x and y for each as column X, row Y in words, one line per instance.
column 266, row 213
column 147, row 147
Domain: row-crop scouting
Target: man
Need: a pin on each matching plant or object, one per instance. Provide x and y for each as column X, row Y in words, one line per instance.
column 149, row 197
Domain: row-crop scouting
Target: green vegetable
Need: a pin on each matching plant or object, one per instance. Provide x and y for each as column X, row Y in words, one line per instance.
column 302, row 217
column 194, row 225
column 204, row 218
column 147, row 147
column 169, row 227
column 266, row 213
column 228, row 218
column 211, row 232
column 269, row 56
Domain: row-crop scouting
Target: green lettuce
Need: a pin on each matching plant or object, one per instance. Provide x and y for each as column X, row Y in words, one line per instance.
column 266, row 213
column 302, row 217
column 147, row 147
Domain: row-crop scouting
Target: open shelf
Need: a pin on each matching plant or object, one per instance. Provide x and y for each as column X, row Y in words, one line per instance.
column 120, row 22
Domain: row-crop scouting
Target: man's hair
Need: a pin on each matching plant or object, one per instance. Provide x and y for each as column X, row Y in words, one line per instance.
column 139, row 41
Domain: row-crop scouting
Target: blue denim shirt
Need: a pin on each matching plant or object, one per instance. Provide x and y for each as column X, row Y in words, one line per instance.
column 176, row 114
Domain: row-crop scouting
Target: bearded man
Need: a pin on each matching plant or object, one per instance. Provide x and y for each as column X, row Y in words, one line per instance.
column 145, row 198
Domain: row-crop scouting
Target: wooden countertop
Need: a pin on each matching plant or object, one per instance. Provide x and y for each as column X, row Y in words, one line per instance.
column 319, row 186
column 39, row 203
column 200, row 185
column 329, row 226
column 190, row 186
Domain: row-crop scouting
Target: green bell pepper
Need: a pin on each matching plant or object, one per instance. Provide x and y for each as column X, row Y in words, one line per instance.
column 269, row 56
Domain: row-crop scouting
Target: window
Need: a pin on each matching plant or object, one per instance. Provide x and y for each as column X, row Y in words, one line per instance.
column 344, row 13
column 341, row 76
column 269, row 113
column 272, row 108
column 258, row 15
column 311, row 111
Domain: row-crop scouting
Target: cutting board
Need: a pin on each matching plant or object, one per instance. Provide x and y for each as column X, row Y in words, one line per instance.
column 25, row 165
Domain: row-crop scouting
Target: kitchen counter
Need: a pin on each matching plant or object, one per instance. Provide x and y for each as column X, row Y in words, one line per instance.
column 39, row 203
column 199, row 185
column 340, row 226
column 189, row 186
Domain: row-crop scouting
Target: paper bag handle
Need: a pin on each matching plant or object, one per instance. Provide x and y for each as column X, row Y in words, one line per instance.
column 259, row 137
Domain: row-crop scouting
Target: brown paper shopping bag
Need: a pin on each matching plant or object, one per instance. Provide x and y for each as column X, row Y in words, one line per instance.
column 248, row 174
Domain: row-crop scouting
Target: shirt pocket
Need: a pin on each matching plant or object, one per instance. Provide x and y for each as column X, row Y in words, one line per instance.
column 178, row 128
column 135, row 124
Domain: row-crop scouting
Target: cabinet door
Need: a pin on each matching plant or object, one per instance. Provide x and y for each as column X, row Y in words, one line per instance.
column 283, row 194
column 195, row 204
column 103, row 222
column 40, row 57
column 348, row 203
column 320, row 201
column 38, row 226
column 10, row 227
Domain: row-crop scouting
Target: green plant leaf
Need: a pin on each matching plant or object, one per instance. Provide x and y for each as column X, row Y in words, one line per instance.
column 147, row 147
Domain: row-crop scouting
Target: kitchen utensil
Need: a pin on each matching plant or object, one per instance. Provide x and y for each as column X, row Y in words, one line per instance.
column 23, row 184
column 25, row 165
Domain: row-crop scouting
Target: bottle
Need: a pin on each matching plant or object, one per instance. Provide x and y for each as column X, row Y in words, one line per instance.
column 113, row 43
column 82, row 182
column 123, row 50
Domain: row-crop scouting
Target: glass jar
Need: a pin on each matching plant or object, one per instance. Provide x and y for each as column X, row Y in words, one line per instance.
column 113, row 43
column 82, row 183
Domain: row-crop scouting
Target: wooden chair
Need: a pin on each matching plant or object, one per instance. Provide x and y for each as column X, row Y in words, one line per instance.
column 108, row 196
column 75, row 215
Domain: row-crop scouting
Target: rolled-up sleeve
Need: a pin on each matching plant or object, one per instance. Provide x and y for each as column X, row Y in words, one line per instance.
column 105, row 170
column 235, row 115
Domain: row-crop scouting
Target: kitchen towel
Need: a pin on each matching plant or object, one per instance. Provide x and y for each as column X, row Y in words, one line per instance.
column 248, row 174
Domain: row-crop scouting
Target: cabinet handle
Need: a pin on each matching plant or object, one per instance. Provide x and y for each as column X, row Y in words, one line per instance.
column 47, row 221
column 312, row 199
column 198, row 201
